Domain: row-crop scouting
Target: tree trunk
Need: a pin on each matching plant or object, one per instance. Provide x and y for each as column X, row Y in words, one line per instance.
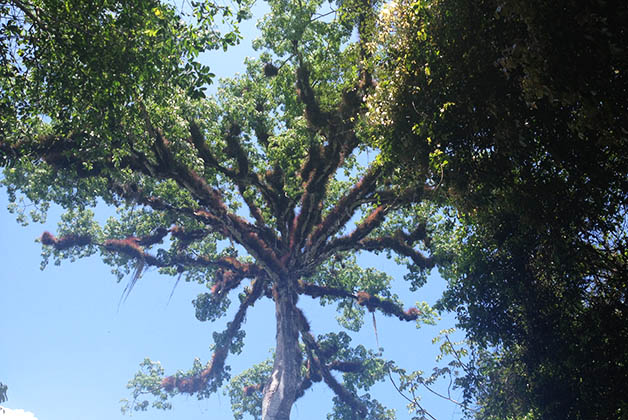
column 280, row 391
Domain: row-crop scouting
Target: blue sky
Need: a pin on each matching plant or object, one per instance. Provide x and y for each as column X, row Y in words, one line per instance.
column 68, row 350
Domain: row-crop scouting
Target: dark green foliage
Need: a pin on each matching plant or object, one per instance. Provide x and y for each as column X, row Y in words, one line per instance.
column 519, row 111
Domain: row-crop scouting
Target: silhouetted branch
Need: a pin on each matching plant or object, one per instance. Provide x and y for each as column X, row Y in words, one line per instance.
column 398, row 245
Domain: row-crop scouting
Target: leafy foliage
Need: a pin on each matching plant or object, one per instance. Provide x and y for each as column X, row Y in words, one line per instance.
column 517, row 109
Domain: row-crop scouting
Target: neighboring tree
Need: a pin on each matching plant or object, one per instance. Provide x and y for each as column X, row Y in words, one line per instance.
column 3, row 392
column 264, row 191
column 518, row 109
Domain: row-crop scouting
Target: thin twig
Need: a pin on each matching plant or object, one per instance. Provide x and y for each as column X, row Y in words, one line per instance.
column 413, row 400
column 453, row 349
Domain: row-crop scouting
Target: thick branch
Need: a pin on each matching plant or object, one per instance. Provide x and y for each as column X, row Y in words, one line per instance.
column 56, row 151
column 314, row 290
column 214, row 369
column 198, row 140
column 366, row 26
column 235, row 150
column 253, row 209
column 135, row 194
column 129, row 247
column 132, row 247
column 344, row 210
column 386, row 306
column 243, row 178
column 397, row 244
column 345, row 395
column 317, row 119
column 363, row 298
column 186, row 237
column 284, row 208
column 346, row 366
column 400, row 242
column 181, row 174
column 65, row 242
column 372, row 222
column 313, row 370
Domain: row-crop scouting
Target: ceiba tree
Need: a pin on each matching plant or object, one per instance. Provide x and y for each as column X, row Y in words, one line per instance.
column 261, row 190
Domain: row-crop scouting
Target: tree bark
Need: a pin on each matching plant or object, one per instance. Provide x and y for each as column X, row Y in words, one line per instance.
column 280, row 391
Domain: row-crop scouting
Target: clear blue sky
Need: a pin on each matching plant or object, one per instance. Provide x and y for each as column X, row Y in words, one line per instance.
column 67, row 351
